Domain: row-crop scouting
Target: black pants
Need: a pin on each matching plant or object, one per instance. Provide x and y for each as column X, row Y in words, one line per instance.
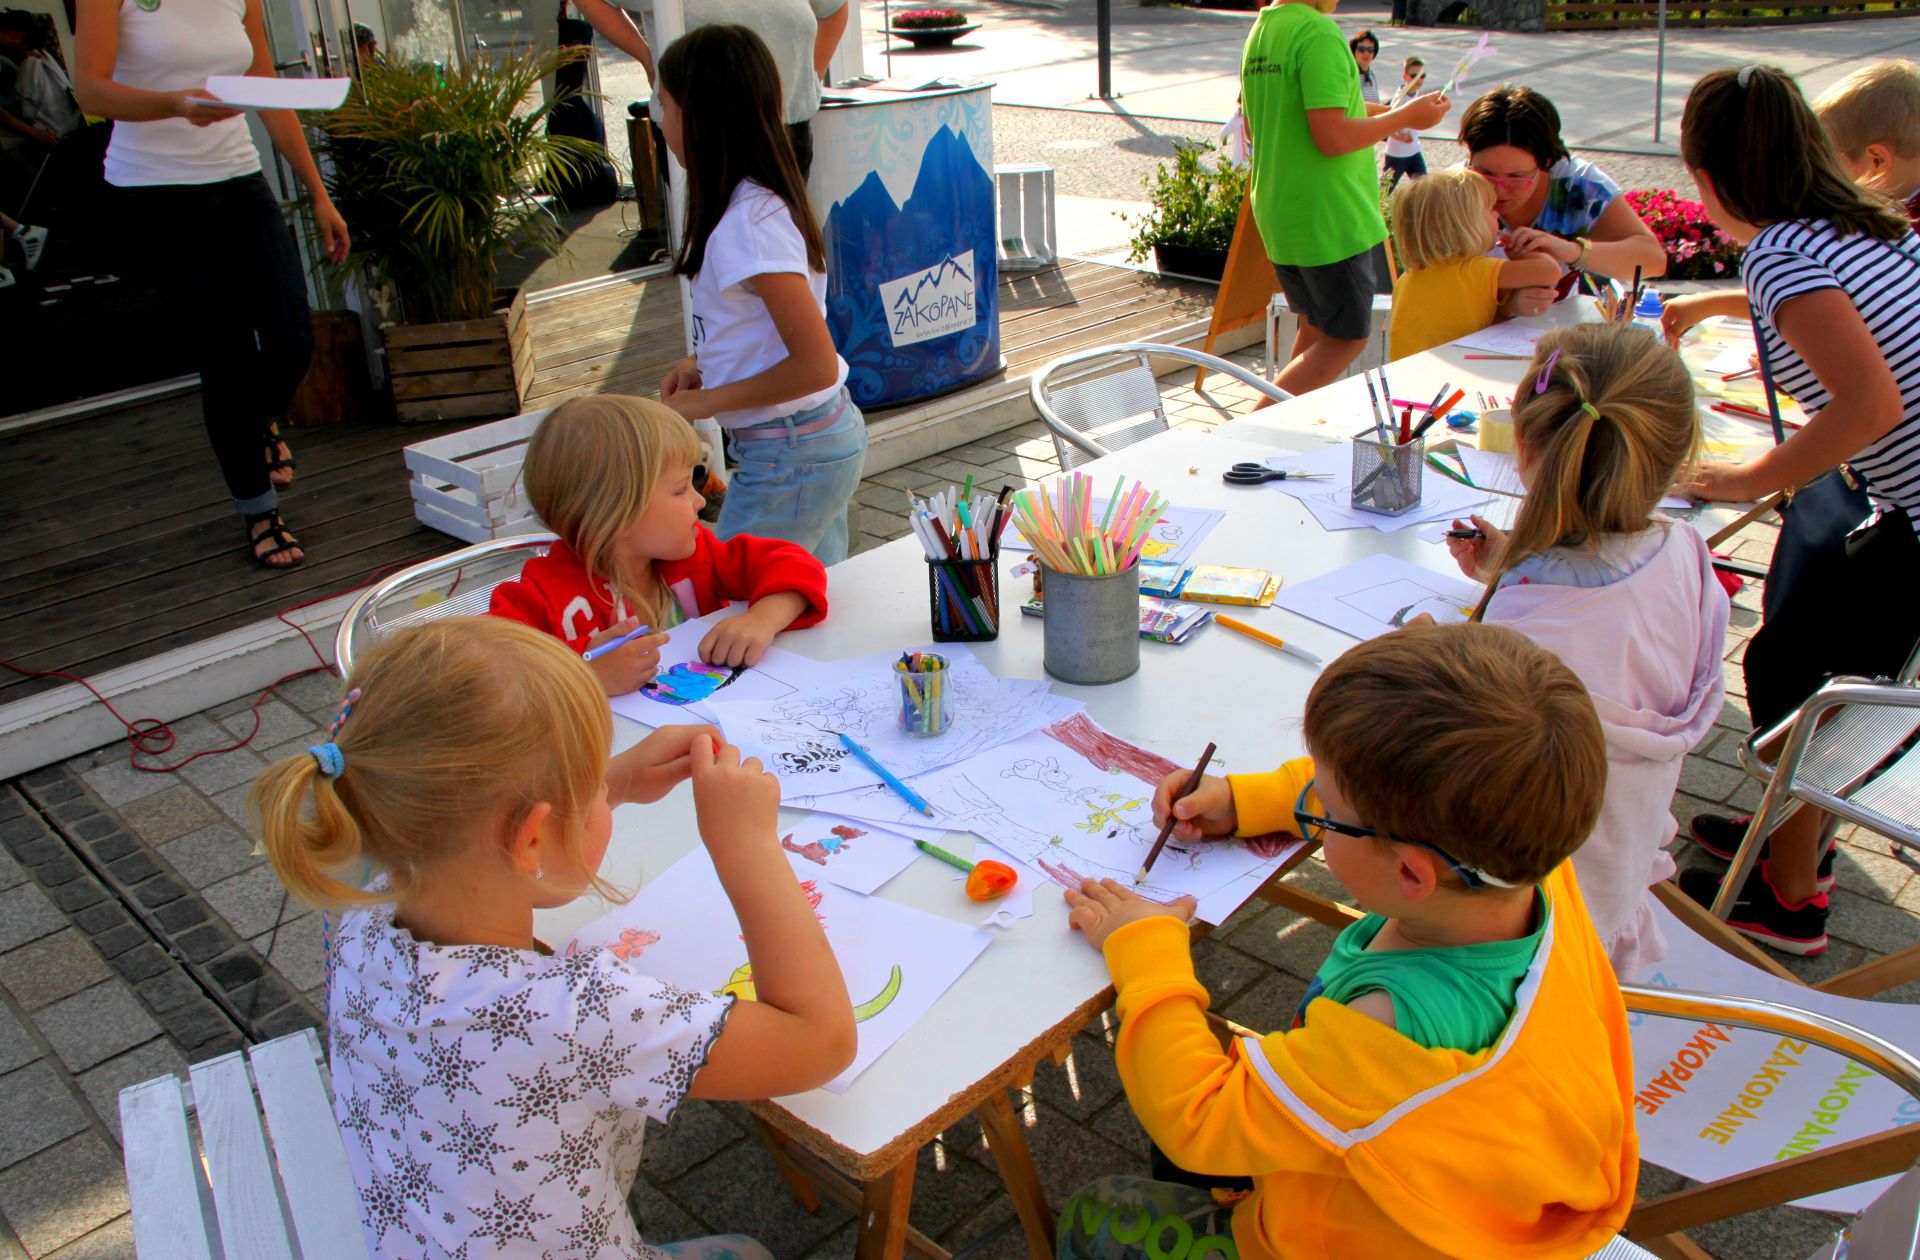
column 1854, row 617
column 225, row 253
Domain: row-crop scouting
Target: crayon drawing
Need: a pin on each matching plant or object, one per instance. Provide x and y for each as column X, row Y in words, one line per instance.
column 685, row 686
column 690, row 682
column 839, row 839
column 896, row 960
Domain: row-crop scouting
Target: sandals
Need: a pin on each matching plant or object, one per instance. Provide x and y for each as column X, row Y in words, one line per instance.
column 272, row 444
column 276, row 538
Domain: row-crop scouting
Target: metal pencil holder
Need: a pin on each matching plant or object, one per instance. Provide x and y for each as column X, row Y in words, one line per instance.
column 1386, row 475
column 964, row 599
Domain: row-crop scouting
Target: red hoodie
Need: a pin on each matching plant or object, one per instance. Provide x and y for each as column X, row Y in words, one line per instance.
column 555, row 593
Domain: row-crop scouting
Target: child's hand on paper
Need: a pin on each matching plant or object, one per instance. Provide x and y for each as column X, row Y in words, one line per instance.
column 1473, row 554
column 737, row 802
column 629, row 666
column 742, row 639
column 1207, row 811
column 656, row 765
column 1103, row 907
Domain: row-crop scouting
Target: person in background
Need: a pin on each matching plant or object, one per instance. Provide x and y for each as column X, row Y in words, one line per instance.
column 1550, row 201
column 210, row 225
column 801, row 34
column 1404, row 157
column 366, row 48
column 1873, row 116
column 1365, row 47
column 1314, row 187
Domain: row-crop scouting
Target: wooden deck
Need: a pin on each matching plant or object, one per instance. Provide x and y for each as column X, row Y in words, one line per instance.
column 118, row 541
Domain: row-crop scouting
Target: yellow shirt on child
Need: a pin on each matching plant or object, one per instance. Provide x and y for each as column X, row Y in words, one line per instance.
column 1437, row 304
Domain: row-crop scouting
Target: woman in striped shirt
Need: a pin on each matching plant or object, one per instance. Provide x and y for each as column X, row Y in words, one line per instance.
column 1834, row 277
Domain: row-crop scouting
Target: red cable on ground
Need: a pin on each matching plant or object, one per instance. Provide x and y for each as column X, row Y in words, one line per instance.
column 154, row 737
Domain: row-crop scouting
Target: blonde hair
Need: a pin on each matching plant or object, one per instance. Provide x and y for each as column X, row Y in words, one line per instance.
column 1441, row 217
column 1876, row 104
column 590, row 473
column 1473, row 738
column 458, row 723
column 1605, row 439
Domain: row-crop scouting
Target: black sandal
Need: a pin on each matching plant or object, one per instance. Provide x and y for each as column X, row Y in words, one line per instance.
column 275, row 533
column 271, row 445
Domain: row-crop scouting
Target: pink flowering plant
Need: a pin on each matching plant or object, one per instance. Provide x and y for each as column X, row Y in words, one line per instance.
column 928, row 19
column 1696, row 248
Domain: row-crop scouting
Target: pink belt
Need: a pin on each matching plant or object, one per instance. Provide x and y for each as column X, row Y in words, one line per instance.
column 787, row 428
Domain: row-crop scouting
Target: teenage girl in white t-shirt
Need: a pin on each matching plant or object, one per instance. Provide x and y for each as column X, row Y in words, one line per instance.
column 763, row 362
column 209, row 226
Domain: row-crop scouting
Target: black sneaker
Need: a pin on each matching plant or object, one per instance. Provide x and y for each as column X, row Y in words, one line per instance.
column 1761, row 914
column 1721, row 836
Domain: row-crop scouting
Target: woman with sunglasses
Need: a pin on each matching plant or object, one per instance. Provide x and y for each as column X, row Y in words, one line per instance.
column 1549, row 201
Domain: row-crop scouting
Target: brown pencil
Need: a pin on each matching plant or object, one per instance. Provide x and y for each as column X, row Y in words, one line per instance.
column 1193, row 781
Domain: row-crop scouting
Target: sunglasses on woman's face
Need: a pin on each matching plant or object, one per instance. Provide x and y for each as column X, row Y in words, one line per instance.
column 1370, row 51
column 1508, row 183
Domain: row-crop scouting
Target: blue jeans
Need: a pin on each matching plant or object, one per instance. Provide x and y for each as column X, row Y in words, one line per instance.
column 798, row 488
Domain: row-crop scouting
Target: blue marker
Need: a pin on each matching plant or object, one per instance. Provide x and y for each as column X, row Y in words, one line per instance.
column 594, row 654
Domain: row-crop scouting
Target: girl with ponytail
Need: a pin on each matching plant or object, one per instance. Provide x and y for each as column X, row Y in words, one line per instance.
column 1603, row 428
column 467, row 774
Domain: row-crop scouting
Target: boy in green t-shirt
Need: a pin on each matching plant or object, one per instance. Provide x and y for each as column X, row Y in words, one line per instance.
column 1315, row 199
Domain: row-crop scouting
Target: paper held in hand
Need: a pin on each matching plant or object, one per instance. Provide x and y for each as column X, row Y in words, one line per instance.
column 254, row 92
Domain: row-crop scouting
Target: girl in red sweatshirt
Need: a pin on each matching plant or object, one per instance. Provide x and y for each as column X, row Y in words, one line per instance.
column 613, row 477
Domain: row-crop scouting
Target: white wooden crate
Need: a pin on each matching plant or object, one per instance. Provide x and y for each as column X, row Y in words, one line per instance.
column 468, row 483
column 1029, row 236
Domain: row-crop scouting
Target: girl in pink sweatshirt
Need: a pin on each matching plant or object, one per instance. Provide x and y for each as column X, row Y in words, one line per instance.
column 1603, row 427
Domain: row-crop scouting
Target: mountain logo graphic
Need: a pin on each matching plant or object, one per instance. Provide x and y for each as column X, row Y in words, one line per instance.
column 922, row 305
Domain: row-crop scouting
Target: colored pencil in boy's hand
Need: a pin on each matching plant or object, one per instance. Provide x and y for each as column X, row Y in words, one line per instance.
column 1186, row 790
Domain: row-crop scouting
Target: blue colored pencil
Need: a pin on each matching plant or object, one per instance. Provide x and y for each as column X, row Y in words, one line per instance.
column 907, row 794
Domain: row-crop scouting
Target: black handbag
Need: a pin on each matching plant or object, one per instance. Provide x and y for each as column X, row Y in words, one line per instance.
column 1822, row 524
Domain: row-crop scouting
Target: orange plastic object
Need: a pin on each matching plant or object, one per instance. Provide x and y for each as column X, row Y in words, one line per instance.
column 989, row 879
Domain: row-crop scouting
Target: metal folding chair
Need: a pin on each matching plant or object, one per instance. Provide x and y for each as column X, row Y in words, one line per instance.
column 458, row 584
column 1102, row 410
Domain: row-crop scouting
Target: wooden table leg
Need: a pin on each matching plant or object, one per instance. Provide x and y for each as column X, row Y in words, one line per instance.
column 804, row 1192
column 1008, row 1142
column 883, row 1214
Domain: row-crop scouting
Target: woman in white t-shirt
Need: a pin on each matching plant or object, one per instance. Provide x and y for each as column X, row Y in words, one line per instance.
column 763, row 362
column 210, row 225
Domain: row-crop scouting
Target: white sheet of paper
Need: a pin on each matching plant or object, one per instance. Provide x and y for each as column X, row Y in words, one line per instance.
column 1691, row 1115
column 1173, row 539
column 679, row 694
column 254, row 92
column 856, row 855
column 1500, row 470
column 1502, row 339
column 1050, row 806
column 1733, row 358
column 797, row 736
column 1362, row 598
column 897, row 960
column 1330, row 501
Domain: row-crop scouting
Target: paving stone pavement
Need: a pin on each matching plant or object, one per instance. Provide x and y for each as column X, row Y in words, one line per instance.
column 139, row 933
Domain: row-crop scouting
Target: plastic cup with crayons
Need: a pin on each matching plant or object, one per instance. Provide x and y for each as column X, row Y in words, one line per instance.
column 923, row 694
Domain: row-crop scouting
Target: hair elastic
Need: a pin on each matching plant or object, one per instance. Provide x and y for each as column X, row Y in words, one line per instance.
column 346, row 707
column 1745, row 75
column 332, row 763
column 1590, row 409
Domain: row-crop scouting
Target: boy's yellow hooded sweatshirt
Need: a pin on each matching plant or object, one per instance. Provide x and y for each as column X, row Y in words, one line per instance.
column 1363, row 1143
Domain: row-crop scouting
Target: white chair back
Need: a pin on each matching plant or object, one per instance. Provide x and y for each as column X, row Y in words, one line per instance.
column 458, row 584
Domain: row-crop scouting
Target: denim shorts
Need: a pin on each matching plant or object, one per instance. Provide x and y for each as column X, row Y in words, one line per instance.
column 799, row 488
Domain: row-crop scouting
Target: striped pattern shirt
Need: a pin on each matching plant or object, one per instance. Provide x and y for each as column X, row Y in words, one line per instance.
column 1882, row 279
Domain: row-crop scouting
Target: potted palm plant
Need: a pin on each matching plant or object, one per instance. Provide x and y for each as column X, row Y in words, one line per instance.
column 438, row 170
column 1192, row 209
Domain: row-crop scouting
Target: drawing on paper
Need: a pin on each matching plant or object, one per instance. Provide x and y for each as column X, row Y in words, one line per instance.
column 1109, row 752
column 629, row 945
column 1110, row 818
column 809, row 756
column 690, row 682
column 740, row 985
column 1395, row 601
column 838, row 840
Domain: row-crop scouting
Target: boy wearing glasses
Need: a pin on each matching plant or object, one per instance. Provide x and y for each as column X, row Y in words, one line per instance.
column 1458, row 1078
column 1315, row 195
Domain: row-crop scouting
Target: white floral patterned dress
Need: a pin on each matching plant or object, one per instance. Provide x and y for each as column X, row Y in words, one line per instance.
column 492, row 1100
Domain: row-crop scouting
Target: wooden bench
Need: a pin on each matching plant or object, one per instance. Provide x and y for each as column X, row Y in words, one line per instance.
column 228, row 1194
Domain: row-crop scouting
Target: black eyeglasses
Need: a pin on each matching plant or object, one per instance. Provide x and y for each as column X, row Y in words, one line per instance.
column 1312, row 826
column 1371, row 49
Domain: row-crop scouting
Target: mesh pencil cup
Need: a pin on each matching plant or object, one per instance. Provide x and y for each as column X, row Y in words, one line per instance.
column 923, row 694
column 963, row 597
column 1386, row 476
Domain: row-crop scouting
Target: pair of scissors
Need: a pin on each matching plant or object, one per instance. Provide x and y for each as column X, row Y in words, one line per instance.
column 1251, row 474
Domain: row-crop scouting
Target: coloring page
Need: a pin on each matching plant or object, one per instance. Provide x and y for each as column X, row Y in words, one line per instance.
column 859, row 856
column 1500, row 471
column 1331, row 501
column 798, row 736
column 897, row 960
column 1502, row 339
column 1377, row 595
column 1173, row 539
column 1076, row 802
column 681, row 692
